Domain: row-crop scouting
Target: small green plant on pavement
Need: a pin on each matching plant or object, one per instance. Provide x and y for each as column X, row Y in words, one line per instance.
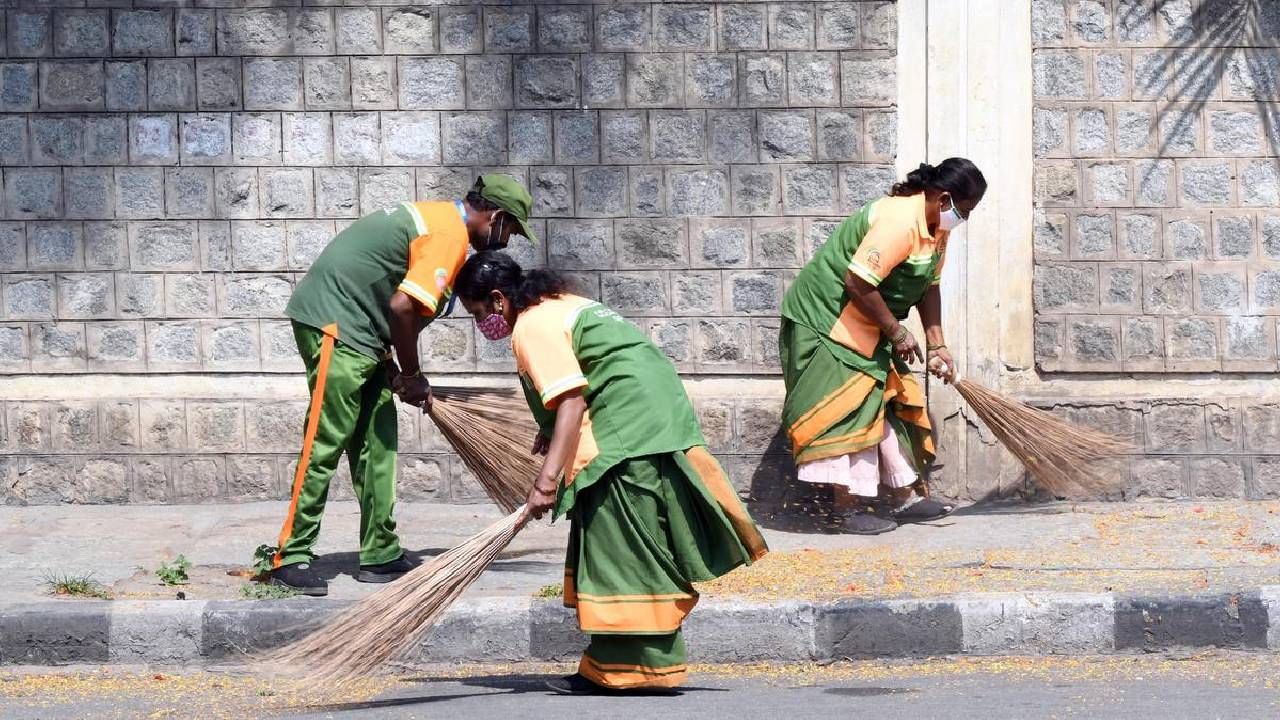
column 174, row 573
column 554, row 590
column 75, row 586
column 261, row 591
column 263, row 560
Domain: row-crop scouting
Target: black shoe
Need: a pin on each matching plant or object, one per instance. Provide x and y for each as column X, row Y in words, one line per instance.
column 300, row 578
column 577, row 684
column 386, row 572
column 861, row 522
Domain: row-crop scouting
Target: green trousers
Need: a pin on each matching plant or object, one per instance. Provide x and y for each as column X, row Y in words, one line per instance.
column 352, row 411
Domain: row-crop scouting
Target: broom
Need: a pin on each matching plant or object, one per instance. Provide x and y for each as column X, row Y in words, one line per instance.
column 490, row 430
column 1060, row 456
column 384, row 624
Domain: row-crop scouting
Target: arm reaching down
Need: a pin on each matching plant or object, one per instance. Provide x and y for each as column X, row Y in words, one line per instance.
column 564, row 440
column 939, row 357
column 413, row 387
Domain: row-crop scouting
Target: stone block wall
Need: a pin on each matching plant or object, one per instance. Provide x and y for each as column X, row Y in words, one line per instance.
column 205, row 450
column 1186, row 447
column 171, row 168
column 1157, row 185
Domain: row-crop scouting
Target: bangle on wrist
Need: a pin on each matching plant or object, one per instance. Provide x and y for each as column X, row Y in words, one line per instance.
column 939, row 346
column 900, row 335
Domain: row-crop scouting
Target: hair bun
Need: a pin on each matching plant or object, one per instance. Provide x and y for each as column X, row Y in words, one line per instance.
column 957, row 176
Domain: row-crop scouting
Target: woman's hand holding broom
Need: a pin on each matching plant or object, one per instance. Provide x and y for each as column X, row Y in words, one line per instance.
column 941, row 364
column 542, row 497
column 939, row 361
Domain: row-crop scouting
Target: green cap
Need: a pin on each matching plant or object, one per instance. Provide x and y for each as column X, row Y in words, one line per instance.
column 506, row 193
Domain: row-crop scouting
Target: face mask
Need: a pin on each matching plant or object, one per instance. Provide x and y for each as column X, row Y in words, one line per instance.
column 950, row 219
column 494, row 327
column 489, row 240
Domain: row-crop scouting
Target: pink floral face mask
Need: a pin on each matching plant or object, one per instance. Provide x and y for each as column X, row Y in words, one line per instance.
column 494, row 327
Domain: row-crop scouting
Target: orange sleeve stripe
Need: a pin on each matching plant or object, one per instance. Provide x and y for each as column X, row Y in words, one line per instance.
column 416, row 291
column 858, row 269
column 562, row 386
column 419, row 222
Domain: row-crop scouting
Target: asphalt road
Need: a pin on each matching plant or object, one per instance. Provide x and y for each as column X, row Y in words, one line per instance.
column 1218, row 686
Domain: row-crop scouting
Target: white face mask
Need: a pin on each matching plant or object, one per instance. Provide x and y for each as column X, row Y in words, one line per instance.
column 489, row 240
column 951, row 218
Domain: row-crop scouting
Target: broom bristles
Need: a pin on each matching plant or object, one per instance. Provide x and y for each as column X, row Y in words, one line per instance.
column 383, row 625
column 492, row 432
column 1061, row 457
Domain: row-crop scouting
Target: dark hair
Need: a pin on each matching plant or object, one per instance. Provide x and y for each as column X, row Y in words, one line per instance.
column 477, row 201
column 957, row 176
column 491, row 270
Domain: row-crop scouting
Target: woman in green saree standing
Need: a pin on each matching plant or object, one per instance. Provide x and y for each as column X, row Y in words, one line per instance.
column 651, row 511
column 855, row 415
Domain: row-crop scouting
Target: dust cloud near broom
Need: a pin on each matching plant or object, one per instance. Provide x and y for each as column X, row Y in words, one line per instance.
column 493, row 433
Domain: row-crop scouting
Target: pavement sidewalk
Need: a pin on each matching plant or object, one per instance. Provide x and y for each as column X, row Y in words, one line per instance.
column 1063, row 578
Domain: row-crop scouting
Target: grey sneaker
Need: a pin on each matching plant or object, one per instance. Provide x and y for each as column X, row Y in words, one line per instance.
column 861, row 522
column 921, row 510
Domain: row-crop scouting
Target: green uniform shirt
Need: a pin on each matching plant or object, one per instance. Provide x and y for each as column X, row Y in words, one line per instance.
column 417, row 248
column 636, row 404
column 887, row 244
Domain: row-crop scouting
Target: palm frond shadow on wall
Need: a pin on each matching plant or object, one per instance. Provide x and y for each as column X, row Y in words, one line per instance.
column 1231, row 42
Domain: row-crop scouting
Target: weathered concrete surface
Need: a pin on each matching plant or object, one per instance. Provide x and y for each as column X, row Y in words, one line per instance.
column 1148, row 687
column 1079, row 547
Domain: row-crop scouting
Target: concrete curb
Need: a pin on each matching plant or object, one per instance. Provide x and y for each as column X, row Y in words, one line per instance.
column 508, row 629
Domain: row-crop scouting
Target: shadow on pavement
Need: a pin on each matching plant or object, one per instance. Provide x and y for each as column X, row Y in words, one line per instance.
column 387, row 703
column 512, row 684
column 1014, row 507
column 332, row 565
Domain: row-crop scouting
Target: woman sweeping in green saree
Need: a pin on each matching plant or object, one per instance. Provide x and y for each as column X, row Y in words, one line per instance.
column 651, row 511
column 855, row 415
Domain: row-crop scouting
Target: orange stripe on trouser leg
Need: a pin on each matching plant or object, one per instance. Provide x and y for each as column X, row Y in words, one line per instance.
column 309, row 438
